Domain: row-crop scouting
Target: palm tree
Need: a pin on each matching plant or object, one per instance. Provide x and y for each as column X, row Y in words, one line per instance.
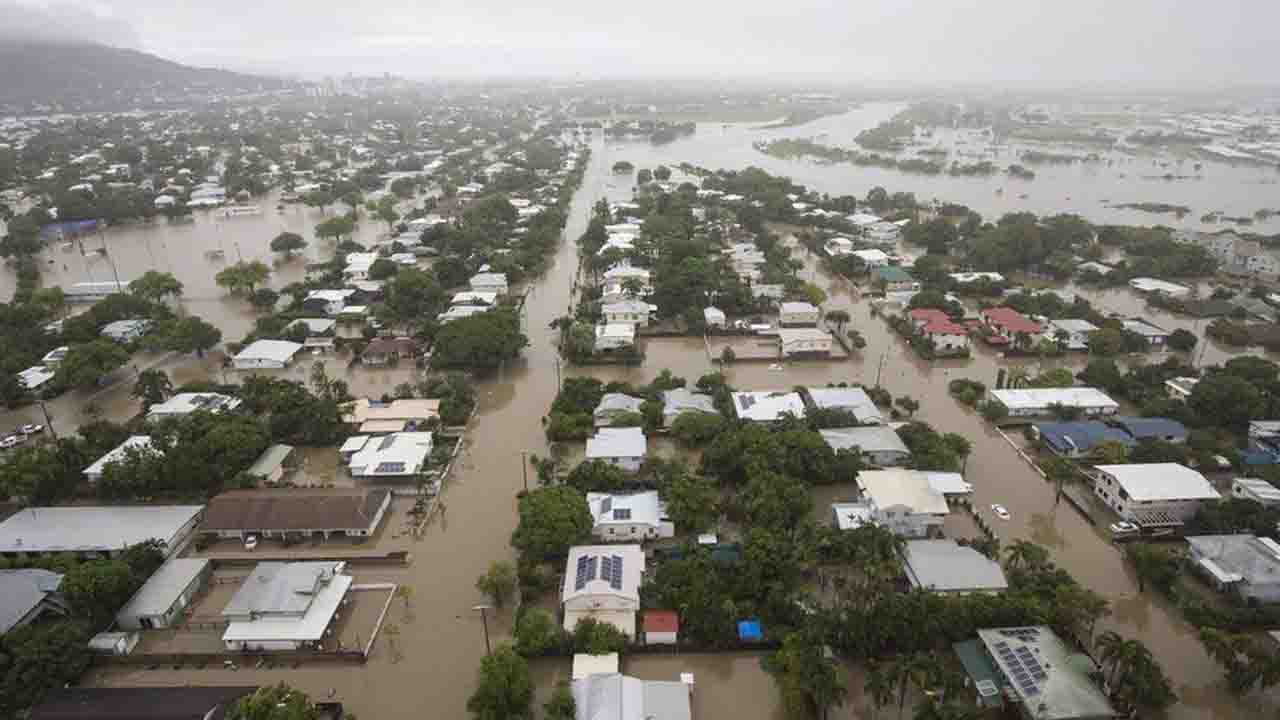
column 1017, row 377
column 907, row 671
column 838, row 318
column 152, row 387
column 1025, row 554
column 1117, row 654
column 1022, row 341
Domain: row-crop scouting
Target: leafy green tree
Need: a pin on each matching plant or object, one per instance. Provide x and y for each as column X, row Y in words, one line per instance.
column 155, row 286
column 1154, row 565
column 386, row 212
column 243, row 277
column 594, row 637
column 85, row 364
column 1025, row 555
column 552, row 519
column 597, row 476
column 695, row 429
column 810, row 682
column 561, row 705
column 336, row 227
column 383, row 268
column 1226, row 400
column 484, row 340
column 97, row 589
column 278, row 702
column 192, row 334
column 692, row 502
column 505, row 689
column 152, row 387
column 318, row 199
column 1183, row 340
column 264, row 298
column 287, row 243
column 499, row 583
column 38, row 658
column 908, row 404
column 537, row 633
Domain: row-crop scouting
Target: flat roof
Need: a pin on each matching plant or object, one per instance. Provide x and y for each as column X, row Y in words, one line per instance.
column 92, row 528
column 946, row 566
column 1160, row 481
column 276, row 350
column 765, row 405
column 162, row 589
column 908, row 488
column 1036, row 398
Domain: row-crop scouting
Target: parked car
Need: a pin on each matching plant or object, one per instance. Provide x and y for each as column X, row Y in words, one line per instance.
column 1123, row 527
column 1001, row 511
column 31, row 429
column 12, row 441
column 251, row 542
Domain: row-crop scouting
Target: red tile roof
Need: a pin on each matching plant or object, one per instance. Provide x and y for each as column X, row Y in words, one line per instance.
column 944, row 327
column 661, row 621
column 928, row 315
column 1011, row 320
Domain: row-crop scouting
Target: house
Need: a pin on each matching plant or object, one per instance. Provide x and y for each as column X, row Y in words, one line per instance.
column 628, row 311
column 945, row 567
column 838, row 246
column 853, row 400
column 767, row 406
column 490, row 283
column 266, row 355
column 53, row 358
column 358, row 265
column 620, row 697
column 1153, row 494
column 285, row 606
column 1039, row 402
column 400, row 415
column 138, row 703
column 895, row 279
column 946, row 337
column 620, row 274
column 629, row 518
column 852, row 515
column 1259, row 491
column 184, row 404
column 1071, row 332
column 35, row 377
column 878, row 444
column 161, row 600
column 872, row 259
column 661, row 627
column 885, row 234
column 603, row 582
column 714, row 318
column 400, row 455
column 383, row 351
column 1153, row 286
column 1007, row 325
column 1180, row 388
column 681, row 400
column 483, row 299
column 1155, row 336
column 296, row 513
column 1152, row 428
column 457, row 312
column 904, row 501
column 623, row 448
column 615, row 336
column 1035, row 669
column 804, row 341
column 28, row 594
column 329, row 302
column 1246, row 565
column 90, row 532
column 795, row 314
column 1078, row 438
column 746, row 260
column 125, row 331
column 120, row 453
column 613, row 405
column 271, row 464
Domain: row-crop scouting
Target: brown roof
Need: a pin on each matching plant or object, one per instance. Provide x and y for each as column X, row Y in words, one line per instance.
column 293, row 510
column 661, row 621
column 390, row 346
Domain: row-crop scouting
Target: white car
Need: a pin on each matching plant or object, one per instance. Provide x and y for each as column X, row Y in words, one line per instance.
column 12, row 441
column 1123, row 527
column 251, row 542
column 31, row 429
column 1001, row 511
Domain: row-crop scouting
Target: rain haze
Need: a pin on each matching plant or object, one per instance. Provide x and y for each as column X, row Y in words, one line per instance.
column 1093, row 44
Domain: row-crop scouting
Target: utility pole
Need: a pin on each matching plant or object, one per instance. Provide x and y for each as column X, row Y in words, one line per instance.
column 484, row 618
column 557, row 373
column 48, row 422
column 880, row 367
column 524, row 469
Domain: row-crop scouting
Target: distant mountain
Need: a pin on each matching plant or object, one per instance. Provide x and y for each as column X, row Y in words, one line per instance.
column 84, row 76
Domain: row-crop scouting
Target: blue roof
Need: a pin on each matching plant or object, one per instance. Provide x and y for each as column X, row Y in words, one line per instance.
column 1082, row 436
column 749, row 630
column 1143, row 428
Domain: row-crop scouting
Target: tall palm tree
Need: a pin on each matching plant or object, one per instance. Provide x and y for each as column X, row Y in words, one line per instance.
column 1025, row 554
column 908, row 671
column 1117, row 654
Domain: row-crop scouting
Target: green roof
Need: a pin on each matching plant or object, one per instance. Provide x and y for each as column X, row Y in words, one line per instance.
column 893, row 273
column 272, row 458
column 973, row 656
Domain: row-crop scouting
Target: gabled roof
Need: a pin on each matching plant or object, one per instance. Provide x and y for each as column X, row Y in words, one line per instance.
column 619, row 697
column 256, row 510
column 138, row 703
column 1161, row 481
column 139, row 443
column 396, row 455
column 617, row 443
column 272, row 350
column 1011, row 320
column 642, row 508
column 1081, row 436
column 158, row 594
column 893, row 274
column 869, row 438
column 1251, row 559
column 21, row 591
column 618, row 402
column 684, row 400
column 766, row 406
column 854, row 399
column 1046, row 674
column 1142, row 428
column 798, row 307
column 587, row 572
column 907, row 488
column 279, row 588
column 945, row 566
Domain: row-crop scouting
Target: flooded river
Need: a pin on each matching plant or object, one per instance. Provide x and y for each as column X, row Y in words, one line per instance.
column 432, row 669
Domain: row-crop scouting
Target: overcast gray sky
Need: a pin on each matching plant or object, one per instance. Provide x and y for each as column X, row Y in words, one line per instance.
column 1181, row 44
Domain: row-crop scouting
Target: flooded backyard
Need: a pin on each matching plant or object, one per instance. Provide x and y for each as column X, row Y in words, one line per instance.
column 431, row 659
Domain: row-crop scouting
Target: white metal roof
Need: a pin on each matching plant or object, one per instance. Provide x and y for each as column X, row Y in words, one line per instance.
column 907, row 488
column 1261, row 489
column 626, row 442
column 798, row 307
column 632, row 570
column 1160, row 481
column 869, row 438
column 119, row 452
column 1035, row 398
column 944, row 565
column 162, row 589
column 274, row 350
column 790, row 335
column 852, row 515
column 854, row 399
column 642, row 508
column 35, row 376
column 184, row 403
column 92, row 528
column 397, row 454
column 766, row 405
column 309, row 627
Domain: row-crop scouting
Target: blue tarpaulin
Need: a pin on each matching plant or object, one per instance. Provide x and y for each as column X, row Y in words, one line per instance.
column 749, row 631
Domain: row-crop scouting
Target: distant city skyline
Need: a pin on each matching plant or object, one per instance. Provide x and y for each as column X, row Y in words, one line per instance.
column 1090, row 45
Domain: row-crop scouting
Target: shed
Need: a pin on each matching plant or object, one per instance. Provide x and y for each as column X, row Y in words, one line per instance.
column 160, row 601
column 661, row 627
column 270, row 465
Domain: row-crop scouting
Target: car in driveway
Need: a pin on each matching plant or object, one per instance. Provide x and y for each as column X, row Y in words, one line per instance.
column 31, row 429
column 251, row 542
column 1123, row 528
column 1001, row 511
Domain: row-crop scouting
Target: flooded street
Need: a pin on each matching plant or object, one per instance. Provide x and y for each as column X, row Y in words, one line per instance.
column 437, row 650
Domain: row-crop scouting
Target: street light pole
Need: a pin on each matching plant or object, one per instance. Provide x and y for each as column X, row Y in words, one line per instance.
column 484, row 618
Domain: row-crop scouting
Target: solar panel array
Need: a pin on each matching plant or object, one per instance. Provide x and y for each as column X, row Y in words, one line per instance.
column 586, row 571
column 1023, row 667
column 1026, row 634
column 390, row 467
column 622, row 514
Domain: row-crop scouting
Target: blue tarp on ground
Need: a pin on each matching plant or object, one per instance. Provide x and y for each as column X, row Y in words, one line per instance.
column 749, row 631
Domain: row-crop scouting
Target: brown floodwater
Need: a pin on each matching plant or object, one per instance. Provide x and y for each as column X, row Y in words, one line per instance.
column 433, row 663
